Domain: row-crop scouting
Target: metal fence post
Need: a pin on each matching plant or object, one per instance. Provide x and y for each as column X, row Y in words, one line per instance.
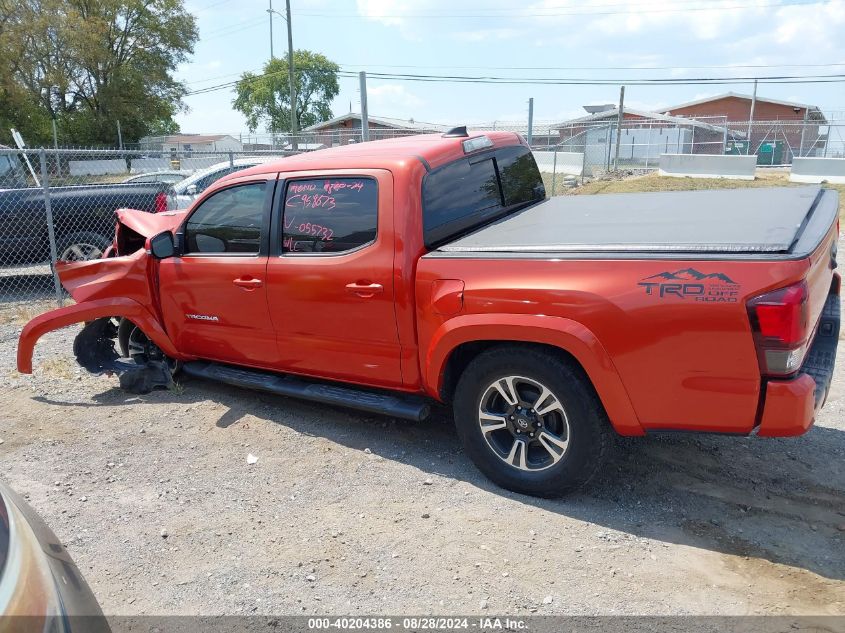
column 554, row 171
column 583, row 163
column 51, row 233
column 231, row 158
column 826, row 141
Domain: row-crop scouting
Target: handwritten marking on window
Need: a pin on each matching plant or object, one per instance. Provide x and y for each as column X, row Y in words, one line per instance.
column 331, row 187
column 300, row 187
column 317, row 230
column 311, row 201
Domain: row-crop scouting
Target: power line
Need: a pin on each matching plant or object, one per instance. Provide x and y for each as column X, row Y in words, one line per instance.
column 642, row 68
column 631, row 9
column 770, row 79
column 591, row 68
column 211, row 6
column 603, row 81
column 234, row 28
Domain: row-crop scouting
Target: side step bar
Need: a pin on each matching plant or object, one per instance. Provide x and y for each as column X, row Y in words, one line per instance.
column 408, row 407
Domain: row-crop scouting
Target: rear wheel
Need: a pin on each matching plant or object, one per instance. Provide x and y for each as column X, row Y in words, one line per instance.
column 531, row 421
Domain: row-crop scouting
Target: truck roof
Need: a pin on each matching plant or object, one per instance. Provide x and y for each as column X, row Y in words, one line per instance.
column 433, row 150
column 778, row 222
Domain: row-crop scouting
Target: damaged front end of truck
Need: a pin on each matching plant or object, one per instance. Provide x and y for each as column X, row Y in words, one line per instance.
column 116, row 298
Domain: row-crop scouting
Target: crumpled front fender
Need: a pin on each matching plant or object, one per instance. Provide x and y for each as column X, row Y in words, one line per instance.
column 89, row 311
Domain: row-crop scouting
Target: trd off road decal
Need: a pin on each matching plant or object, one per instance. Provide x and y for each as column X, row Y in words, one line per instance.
column 693, row 285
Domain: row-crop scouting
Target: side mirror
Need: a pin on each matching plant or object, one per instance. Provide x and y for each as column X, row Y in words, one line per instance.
column 191, row 190
column 161, row 246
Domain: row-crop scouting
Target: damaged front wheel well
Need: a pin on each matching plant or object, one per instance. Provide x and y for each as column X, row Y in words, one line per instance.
column 94, row 348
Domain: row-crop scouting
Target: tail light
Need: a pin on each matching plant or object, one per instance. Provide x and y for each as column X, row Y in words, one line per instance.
column 780, row 320
column 160, row 204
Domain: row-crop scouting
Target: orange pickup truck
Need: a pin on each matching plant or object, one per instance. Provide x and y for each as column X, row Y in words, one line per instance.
column 384, row 276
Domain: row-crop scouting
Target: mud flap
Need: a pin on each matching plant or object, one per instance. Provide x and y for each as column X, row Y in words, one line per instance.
column 94, row 348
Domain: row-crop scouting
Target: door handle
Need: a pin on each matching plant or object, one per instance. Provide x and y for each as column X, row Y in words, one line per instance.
column 364, row 290
column 248, row 284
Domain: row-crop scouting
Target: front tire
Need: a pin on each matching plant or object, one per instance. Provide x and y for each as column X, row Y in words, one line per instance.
column 531, row 421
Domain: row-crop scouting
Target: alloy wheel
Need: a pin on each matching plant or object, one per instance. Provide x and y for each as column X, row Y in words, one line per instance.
column 524, row 423
column 81, row 252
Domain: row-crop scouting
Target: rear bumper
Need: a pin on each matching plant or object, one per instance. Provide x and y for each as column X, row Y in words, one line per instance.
column 791, row 405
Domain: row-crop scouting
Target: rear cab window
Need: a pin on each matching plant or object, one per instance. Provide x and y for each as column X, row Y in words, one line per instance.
column 474, row 190
column 329, row 215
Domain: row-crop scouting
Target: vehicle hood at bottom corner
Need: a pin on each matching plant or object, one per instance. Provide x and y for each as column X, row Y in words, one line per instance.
column 149, row 224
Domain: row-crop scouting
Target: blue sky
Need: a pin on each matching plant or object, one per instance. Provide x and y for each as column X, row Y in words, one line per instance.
column 637, row 39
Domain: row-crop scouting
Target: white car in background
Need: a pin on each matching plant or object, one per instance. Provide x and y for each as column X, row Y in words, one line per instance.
column 167, row 176
column 189, row 189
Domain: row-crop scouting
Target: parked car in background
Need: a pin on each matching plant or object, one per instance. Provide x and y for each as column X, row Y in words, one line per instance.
column 186, row 191
column 167, row 176
column 41, row 589
column 83, row 215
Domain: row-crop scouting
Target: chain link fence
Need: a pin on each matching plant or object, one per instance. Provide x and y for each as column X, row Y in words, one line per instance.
column 60, row 203
column 587, row 150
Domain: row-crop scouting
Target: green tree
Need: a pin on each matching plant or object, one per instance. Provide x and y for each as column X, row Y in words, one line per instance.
column 91, row 63
column 265, row 98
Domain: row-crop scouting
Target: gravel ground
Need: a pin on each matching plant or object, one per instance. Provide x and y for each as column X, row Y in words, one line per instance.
column 346, row 513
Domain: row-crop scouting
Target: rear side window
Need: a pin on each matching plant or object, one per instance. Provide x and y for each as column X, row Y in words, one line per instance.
column 228, row 221
column 329, row 215
column 520, row 178
column 459, row 190
column 470, row 191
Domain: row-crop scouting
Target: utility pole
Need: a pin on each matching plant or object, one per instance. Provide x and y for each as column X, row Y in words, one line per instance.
column 270, row 12
column 119, row 136
column 293, row 122
column 291, row 84
column 619, row 118
column 751, row 115
column 530, row 120
column 365, row 123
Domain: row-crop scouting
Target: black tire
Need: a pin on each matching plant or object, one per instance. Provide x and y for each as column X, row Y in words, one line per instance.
column 81, row 246
column 123, row 331
column 580, row 416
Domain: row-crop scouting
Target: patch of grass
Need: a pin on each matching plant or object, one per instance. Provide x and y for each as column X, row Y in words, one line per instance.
column 177, row 389
column 22, row 313
column 654, row 182
column 59, row 368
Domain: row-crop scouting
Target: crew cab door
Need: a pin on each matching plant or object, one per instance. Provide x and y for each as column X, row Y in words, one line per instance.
column 330, row 276
column 214, row 295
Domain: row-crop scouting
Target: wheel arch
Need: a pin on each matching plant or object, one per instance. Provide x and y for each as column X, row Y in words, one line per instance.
column 458, row 341
column 90, row 311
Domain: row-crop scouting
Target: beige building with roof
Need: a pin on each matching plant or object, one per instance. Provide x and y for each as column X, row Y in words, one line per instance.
column 346, row 128
column 187, row 143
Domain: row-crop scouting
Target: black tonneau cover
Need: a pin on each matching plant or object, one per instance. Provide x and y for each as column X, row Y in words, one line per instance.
column 726, row 221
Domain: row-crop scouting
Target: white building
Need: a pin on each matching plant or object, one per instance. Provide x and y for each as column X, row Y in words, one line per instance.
column 187, row 143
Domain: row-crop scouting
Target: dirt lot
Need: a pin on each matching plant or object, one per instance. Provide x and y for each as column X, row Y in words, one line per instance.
column 346, row 513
